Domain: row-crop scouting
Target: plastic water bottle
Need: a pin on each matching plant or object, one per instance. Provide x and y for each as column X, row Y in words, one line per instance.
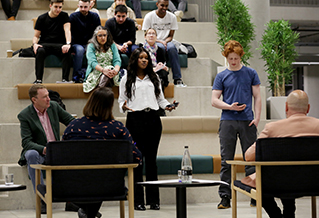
column 187, row 169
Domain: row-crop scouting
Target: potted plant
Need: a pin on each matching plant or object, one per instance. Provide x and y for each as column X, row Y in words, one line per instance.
column 234, row 23
column 278, row 51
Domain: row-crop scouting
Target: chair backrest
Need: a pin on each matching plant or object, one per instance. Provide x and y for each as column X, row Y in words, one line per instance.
column 289, row 181
column 88, row 185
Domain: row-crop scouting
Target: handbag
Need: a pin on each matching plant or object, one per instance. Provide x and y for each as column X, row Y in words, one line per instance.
column 25, row 52
column 191, row 50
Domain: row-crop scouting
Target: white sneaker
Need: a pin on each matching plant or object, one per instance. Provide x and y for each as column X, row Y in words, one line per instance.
column 179, row 83
column 179, row 15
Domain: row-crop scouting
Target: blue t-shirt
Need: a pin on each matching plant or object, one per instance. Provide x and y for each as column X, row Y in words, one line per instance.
column 236, row 86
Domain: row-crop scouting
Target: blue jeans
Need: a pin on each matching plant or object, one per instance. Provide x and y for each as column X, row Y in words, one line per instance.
column 137, row 8
column 79, row 51
column 173, row 58
column 181, row 5
column 33, row 157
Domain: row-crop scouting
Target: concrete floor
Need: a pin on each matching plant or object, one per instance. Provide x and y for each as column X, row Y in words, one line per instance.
column 204, row 210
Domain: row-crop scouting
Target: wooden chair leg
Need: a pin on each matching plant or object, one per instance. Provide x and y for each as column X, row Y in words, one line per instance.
column 130, row 193
column 233, row 191
column 313, row 207
column 122, row 209
column 48, row 195
column 37, row 197
column 258, row 192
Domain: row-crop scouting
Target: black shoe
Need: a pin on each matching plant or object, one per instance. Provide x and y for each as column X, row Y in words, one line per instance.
column 224, row 203
column 252, row 202
column 155, row 207
column 139, row 207
column 69, row 206
column 43, row 208
column 37, row 81
column 81, row 213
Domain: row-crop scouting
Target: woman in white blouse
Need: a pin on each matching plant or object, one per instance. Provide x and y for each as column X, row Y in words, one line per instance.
column 141, row 96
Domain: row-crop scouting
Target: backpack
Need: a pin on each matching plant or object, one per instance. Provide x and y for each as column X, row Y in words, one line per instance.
column 55, row 96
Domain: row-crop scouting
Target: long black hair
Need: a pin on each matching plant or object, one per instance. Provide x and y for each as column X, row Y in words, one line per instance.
column 132, row 73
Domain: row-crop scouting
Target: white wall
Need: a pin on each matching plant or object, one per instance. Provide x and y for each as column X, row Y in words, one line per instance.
column 311, row 81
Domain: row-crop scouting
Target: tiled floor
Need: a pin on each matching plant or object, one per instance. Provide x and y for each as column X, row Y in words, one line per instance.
column 205, row 210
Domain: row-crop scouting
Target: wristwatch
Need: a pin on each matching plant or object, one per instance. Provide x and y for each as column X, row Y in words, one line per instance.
column 68, row 43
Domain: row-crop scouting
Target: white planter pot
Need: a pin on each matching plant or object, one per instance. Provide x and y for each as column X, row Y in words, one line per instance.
column 276, row 107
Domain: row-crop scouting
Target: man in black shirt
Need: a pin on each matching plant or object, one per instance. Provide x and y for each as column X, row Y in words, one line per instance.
column 52, row 35
column 123, row 30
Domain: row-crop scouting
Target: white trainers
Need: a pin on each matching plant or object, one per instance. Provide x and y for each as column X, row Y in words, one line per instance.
column 179, row 83
column 179, row 15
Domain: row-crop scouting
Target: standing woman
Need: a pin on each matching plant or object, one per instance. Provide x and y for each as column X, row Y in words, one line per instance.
column 141, row 96
column 104, row 61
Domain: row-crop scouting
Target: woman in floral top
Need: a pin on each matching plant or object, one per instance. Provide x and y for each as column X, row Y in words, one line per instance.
column 104, row 61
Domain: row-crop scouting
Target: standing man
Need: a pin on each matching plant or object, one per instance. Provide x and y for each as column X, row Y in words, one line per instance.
column 83, row 24
column 39, row 124
column 238, row 84
column 165, row 24
column 123, row 30
column 297, row 124
column 52, row 35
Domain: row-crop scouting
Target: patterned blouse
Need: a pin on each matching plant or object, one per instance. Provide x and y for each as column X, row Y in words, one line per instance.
column 86, row 128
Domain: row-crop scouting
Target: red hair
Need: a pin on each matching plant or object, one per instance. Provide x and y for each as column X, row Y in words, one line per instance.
column 233, row 46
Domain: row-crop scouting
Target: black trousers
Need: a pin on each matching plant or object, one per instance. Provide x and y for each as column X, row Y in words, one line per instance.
column 8, row 10
column 55, row 49
column 270, row 206
column 90, row 208
column 146, row 130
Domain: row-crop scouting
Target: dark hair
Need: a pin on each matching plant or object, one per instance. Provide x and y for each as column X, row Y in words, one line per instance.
column 132, row 70
column 109, row 40
column 33, row 91
column 121, row 9
column 56, row 1
column 100, row 104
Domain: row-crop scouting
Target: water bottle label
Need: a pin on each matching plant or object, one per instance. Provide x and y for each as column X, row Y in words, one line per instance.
column 187, row 172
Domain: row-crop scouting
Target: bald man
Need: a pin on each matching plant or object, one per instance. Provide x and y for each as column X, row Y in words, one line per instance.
column 297, row 124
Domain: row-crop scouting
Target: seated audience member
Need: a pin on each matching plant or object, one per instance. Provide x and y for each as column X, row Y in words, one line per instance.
column 11, row 11
column 179, row 11
column 92, row 8
column 52, row 35
column 39, row 124
column 157, row 56
column 130, row 13
column 104, row 61
column 123, row 30
column 83, row 23
column 165, row 24
column 296, row 124
column 98, row 123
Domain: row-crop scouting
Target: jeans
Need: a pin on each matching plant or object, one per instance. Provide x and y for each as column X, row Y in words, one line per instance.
column 229, row 130
column 137, row 8
column 173, row 58
column 79, row 51
column 33, row 157
column 181, row 5
column 8, row 10
column 130, row 49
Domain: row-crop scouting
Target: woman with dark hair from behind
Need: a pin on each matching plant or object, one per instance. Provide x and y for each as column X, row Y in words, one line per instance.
column 97, row 118
column 104, row 61
column 141, row 95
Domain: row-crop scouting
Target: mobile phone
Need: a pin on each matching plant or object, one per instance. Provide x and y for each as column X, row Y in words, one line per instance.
column 239, row 104
column 176, row 104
